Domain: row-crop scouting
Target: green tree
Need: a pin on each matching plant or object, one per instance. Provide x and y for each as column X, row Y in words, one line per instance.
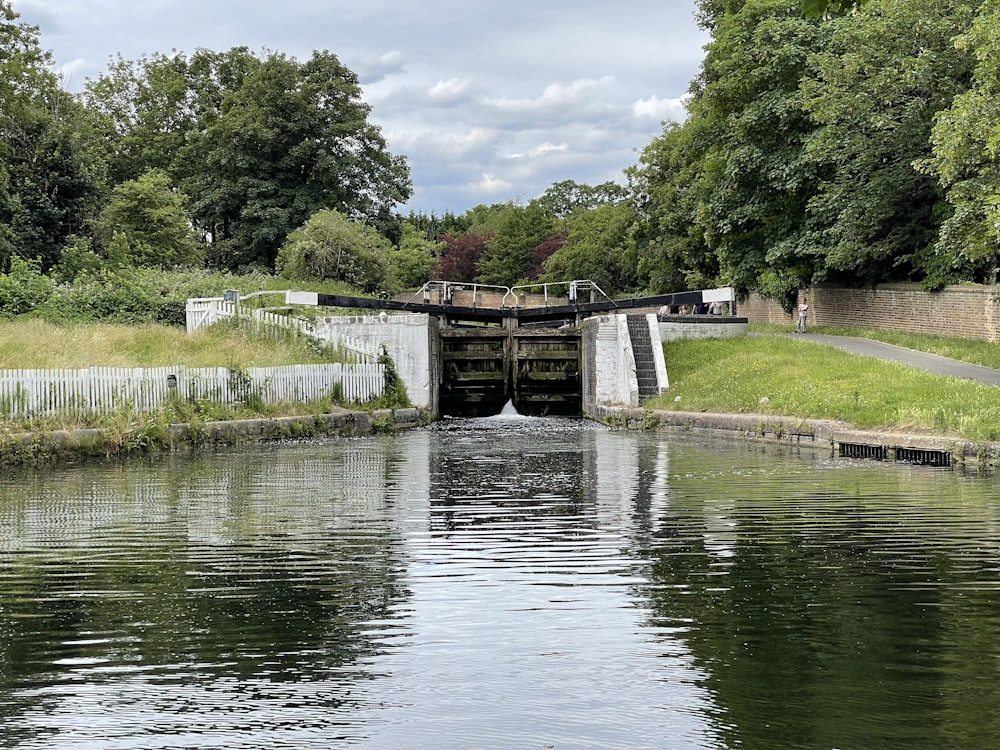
column 48, row 184
column 565, row 198
column 146, row 109
column 669, row 188
column 414, row 258
column 486, row 219
column 598, row 247
column 23, row 288
column 330, row 246
column 259, row 144
column 749, row 122
column 873, row 93
column 509, row 255
column 147, row 224
column 436, row 227
column 829, row 8
column 966, row 159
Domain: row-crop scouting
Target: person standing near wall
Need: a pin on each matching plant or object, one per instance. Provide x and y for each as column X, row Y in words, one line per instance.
column 803, row 312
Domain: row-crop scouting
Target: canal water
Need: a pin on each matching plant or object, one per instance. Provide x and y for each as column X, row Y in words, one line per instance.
column 500, row 583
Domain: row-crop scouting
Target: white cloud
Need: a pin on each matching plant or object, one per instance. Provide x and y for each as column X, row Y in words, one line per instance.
column 490, row 104
column 490, row 184
column 448, row 91
column 541, row 149
column 659, row 109
column 554, row 95
column 453, row 145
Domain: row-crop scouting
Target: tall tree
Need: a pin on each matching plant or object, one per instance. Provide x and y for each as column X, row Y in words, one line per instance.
column 670, row 187
column 414, row 257
column 565, row 198
column 436, row 227
column 509, row 254
column 966, row 159
column 259, row 144
column 873, row 94
column 146, row 109
column 751, row 127
column 48, row 185
column 598, row 247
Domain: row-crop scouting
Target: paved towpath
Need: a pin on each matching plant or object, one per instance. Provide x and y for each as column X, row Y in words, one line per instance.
column 921, row 360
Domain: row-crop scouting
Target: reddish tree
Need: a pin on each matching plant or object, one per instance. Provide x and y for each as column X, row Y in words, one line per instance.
column 459, row 257
column 542, row 252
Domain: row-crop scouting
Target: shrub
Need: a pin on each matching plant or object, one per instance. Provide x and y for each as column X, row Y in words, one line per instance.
column 330, row 246
column 23, row 288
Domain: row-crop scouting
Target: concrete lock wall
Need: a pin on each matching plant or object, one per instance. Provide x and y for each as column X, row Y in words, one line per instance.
column 676, row 327
column 608, row 365
column 411, row 340
column 609, row 371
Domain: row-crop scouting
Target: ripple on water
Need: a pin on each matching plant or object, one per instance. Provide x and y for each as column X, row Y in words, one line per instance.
column 506, row 582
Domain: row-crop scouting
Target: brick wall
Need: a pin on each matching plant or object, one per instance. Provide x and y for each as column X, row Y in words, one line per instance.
column 967, row 311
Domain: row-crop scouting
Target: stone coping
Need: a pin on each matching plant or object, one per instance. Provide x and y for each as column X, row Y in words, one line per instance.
column 825, row 435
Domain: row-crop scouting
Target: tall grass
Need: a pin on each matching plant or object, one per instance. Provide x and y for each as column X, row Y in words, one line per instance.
column 794, row 377
column 27, row 343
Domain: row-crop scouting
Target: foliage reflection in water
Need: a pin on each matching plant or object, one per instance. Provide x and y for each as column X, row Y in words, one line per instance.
column 499, row 583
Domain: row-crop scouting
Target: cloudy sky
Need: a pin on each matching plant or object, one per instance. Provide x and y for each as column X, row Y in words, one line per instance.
column 489, row 101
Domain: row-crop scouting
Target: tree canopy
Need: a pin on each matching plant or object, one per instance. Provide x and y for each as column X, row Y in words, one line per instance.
column 146, row 223
column 259, row 144
column 845, row 141
column 965, row 158
column 828, row 8
column 826, row 151
column 48, row 184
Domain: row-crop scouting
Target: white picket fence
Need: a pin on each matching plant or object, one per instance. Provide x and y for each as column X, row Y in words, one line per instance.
column 205, row 311
column 33, row 393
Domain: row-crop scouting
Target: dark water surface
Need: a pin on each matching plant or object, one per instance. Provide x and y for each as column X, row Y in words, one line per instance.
column 500, row 583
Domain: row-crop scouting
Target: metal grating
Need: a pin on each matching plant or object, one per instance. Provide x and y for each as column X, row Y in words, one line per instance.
column 859, row 450
column 923, row 457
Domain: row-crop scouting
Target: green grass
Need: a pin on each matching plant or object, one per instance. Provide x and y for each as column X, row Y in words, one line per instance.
column 34, row 344
column 975, row 351
column 796, row 377
column 778, row 375
column 28, row 343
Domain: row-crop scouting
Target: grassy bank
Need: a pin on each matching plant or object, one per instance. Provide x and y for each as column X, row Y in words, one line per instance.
column 35, row 344
column 28, row 343
column 787, row 376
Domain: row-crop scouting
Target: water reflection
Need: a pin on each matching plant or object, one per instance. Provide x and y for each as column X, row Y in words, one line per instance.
column 834, row 604
column 199, row 600
column 523, row 612
column 508, row 582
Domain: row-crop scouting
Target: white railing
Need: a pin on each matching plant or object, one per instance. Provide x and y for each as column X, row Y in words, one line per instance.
column 33, row 393
column 206, row 311
column 512, row 296
column 355, row 348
